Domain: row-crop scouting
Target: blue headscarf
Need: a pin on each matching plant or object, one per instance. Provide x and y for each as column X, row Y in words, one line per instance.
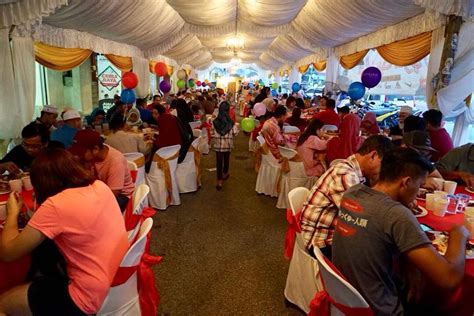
column 223, row 123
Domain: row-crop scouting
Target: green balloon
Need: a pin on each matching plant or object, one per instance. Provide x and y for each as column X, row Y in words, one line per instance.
column 191, row 83
column 275, row 85
column 248, row 124
column 180, row 83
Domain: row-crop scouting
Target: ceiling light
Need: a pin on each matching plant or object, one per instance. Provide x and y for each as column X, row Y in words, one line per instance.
column 235, row 43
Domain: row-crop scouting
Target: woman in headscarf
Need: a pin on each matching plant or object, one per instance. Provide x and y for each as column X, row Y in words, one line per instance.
column 222, row 133
column 369, row 124
column 348, row 141
column 133, row 118
column 185, row 116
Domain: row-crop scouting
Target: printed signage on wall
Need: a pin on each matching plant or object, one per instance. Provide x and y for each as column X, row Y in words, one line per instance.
column 109, row 81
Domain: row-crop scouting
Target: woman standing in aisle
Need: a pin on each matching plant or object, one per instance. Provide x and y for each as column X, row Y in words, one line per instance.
column 222, row 134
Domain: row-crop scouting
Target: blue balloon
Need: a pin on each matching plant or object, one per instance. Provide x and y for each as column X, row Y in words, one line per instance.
column 251, row 85
column 274, row 93
column 356, row 90
column 295, row 87
column 127, row 96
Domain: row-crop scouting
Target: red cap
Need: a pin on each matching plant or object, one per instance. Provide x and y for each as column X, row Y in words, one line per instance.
column 85, row 139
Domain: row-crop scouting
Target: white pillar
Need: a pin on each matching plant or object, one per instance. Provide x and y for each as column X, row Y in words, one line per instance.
column 332, row 70
column 294, row 76
column 437, row 43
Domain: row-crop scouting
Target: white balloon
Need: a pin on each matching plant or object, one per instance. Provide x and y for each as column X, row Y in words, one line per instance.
column 181, row 74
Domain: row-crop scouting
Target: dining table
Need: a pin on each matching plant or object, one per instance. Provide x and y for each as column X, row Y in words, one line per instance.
column 14, row 273
column 459, row 302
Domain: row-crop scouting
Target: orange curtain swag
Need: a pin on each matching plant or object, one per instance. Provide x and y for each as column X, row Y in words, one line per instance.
column 58, row 58
column 122, row 63
column 303, row 69
column 319, row 65
column 352, row 60
column 408, row 51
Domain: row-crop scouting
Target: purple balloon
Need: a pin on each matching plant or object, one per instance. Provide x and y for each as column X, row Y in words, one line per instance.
column 165, row 86
column 371, row 77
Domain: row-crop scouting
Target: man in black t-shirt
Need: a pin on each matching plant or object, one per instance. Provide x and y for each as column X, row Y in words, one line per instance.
column 35, row 139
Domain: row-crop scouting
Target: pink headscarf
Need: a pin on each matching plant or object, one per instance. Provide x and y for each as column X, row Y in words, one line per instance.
column 369, row 124
column 348, row 141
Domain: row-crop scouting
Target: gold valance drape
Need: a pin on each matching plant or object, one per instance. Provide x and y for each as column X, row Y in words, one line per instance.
column 303, row 69
column 352, row 60
column 58, row 58
column 408, row 51
column 319, row 65
column 121, row 62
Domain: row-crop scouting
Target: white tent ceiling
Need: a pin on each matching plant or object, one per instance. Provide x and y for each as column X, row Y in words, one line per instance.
column 276, row 32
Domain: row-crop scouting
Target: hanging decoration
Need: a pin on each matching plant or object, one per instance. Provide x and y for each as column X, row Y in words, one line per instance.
column 248, row 124
column 371, row 77
column 295, row 87
column 165, row 86
column 181, row 84
column 198, row 83
column 191, row 83
column 356, row 90
column 161, row 69
column 181, row 74
column 127, row 96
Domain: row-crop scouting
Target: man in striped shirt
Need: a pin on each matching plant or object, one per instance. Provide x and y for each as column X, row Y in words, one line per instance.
column 320, row 211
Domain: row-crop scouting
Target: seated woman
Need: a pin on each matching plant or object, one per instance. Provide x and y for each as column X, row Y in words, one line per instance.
column 296, row 120
column 168, row 128
column 81, row 216
column 133, row 118
column 348, row 141
column 369, row 125
column 123, row 141
column 312, row 148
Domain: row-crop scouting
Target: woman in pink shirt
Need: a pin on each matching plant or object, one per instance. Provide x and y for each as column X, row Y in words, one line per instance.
column 312, row 149
column 81, row 216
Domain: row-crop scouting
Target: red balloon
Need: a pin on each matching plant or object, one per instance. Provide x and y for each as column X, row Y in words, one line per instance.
column 129, row 80
column 161, row 69
column 198, row 83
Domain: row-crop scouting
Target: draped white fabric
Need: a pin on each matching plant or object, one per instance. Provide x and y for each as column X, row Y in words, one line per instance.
column 437, row 43
column 9, row 115
column 19, row 12
column 23, row 57
column 332, row 70
column 464, row 8
column 141, row 69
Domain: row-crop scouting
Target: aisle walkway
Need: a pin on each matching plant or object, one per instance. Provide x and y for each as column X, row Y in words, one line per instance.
column 223, row 250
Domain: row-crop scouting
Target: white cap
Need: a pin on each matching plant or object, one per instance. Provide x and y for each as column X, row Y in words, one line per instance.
column 406, row 109
column 71, row 115
column 50, row 109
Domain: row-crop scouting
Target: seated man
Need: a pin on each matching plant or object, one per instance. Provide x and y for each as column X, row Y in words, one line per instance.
column 272, row 132
column 123, row 141
column 375, row 229
column 48, row 117
column 440, row 139
column 319, row 214
column 65, row 134
column 35, row 139
column 328, row 114
column 109, row 164
column 396, row 132
column 458, row 164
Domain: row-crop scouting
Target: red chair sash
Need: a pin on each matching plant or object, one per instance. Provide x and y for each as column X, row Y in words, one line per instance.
column 293, row 228
column 133, row 174
column 207, row 126
column 321, row 306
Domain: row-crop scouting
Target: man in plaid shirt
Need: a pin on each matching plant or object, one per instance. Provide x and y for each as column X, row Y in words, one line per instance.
column 320, row 211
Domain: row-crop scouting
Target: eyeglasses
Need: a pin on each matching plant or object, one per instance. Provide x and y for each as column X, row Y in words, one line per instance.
column 32, row 146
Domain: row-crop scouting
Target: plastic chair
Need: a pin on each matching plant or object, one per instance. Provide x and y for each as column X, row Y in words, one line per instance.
column 187, row 171
column 295, row 178
column 139, row 160
column 159, row 196
column 329, row 128
column 302, row 281
column 297, row 197
column 123, row 299
column 140, row 201
column 267, row 173
column 291, row 129
column 341, row 291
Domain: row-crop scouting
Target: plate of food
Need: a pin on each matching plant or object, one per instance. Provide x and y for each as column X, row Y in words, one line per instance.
column 470, row 189
column 440, row 242
column 418, row 211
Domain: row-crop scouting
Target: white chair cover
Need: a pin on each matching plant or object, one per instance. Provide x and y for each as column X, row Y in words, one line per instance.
column 156, row 179
column 296, row 177
column 290, row 129
column 139, row 160
column 204, row 145
column 196, row 132
column 338, row 289
column 329, row 128
column 122, row 300
column 195, row 125
column 139, row 201
column 297, row 197
column 302, row 282
column 267, row 173
column 186, row 173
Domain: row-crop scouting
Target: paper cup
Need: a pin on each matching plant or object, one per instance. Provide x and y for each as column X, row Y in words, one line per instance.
column 441, row 205
column 469, row 223
column 27, row 183
column 3, row 211
column 449, row 187
column 439, row 183
column 15, row 185
column 440, row 194
column 430, row 197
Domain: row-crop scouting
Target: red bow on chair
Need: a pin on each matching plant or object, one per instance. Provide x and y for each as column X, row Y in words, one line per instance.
column 321, row 306
column 293, row 228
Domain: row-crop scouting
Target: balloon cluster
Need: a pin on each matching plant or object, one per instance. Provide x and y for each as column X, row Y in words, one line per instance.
column 129, row 81
column 161, row 70
column 370, row 78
